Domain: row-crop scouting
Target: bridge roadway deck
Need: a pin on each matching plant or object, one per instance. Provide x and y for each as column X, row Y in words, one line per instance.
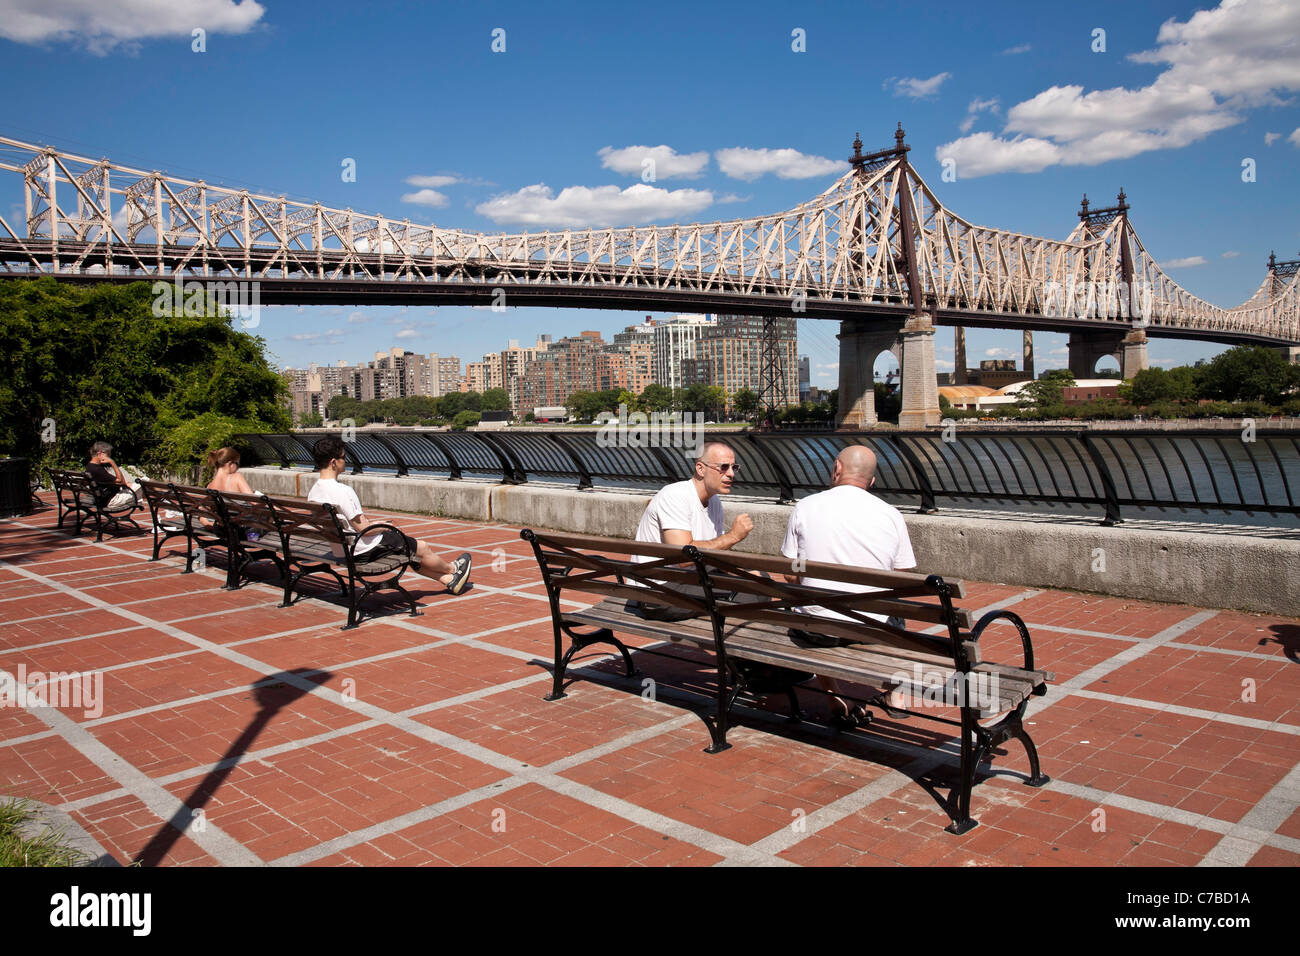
column 405, row 741
column 293, row 280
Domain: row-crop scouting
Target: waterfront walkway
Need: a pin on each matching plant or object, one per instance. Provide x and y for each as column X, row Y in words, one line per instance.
column 1172, row 735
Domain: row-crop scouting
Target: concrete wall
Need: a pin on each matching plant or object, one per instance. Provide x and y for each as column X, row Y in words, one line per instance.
column 1208, row 570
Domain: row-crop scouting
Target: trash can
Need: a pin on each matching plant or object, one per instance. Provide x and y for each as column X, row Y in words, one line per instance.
column 15, row 487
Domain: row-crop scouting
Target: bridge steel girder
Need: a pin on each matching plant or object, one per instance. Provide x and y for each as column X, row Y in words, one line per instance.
column 876, row 242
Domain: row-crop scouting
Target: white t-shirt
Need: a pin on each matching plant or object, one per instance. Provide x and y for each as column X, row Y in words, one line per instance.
column 331, row 491
column 677, row 508
column 847, row 525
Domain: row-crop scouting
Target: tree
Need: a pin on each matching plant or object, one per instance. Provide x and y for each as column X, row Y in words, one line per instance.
column 694, row 399
column 465, row 419
column 82, row 364
column 889, row 401
column 1156, row 385
column 452, row 404
column 310, row 420
column 1247, row 373
column 1048, row 391
column 657, row 398
column 746, row 404
column 496, row 400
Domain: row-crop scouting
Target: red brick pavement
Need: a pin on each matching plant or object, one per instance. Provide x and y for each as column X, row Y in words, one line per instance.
column 425, row 740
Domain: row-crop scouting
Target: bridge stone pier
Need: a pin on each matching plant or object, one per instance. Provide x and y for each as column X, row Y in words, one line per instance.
column 861, row 341
column 912, row 343
column 1129, row 349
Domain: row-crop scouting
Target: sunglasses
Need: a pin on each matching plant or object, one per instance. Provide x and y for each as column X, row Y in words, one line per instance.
column 723, row 468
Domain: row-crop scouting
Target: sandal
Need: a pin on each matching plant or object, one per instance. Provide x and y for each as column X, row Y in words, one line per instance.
column 856, row 716
column 882, row 701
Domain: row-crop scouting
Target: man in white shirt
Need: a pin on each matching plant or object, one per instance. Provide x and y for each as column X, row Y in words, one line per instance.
column 690, row 512
column 846, row 524
column 327, row 454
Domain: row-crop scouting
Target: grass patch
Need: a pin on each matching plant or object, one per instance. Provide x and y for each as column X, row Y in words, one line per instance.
column 45, row 850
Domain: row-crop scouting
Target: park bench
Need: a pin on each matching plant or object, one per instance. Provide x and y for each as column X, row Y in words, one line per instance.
column 167, row 514
column 745, row 611
column 315, row 540
column 76, row 496
column 300, row 538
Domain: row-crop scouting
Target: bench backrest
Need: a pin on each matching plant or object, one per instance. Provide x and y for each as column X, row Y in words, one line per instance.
column 314, row 521
column 604, row 566
column 250, row 513
column 160, row 495
column 750, row 588
column 201, row 507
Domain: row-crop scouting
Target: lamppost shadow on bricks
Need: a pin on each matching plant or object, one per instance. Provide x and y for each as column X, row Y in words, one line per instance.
column 272, row 693
column 1288, row 636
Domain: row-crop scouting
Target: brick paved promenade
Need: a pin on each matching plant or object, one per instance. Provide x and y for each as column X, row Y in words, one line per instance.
column 426, row 740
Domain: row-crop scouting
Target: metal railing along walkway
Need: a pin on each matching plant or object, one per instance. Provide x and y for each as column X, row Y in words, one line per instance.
column 1097, row 472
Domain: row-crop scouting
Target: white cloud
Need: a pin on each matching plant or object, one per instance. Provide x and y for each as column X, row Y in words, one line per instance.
column 1230, row 254
column 1271, row 138
column 740, row 162
column 358, row 318
column 305, row 337
column 102, row 27
column 1013, row 50
column 917, row 89
column 668, row 163
column 1243, row 50
column 1000, row 354
column 433, row 182
column 976, row 107
column 1218, row 63
column 579, row 206
column 983, row 154
column 426, row 197
column 1184, row 263
column 408, row 334
column 1294, row 138
column 732, row 197
column 829, row 366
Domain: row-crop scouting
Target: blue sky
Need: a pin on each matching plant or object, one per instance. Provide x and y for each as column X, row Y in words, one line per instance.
column 1035, row 106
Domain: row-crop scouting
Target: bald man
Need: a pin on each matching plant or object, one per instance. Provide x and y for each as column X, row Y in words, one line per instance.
column 846, row 524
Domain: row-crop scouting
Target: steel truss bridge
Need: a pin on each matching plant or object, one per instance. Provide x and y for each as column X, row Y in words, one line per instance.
column 876, row 244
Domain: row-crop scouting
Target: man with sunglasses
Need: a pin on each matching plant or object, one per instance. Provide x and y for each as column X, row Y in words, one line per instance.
column 690, row 512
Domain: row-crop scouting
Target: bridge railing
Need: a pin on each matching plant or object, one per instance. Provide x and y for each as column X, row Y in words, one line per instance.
column 1179, row 474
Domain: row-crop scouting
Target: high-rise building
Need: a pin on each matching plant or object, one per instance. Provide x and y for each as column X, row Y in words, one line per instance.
column 675, row 340
column 805, row 378
column 731, row 354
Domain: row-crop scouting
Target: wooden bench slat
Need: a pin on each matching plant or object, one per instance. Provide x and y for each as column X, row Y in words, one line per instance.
column 770, row 645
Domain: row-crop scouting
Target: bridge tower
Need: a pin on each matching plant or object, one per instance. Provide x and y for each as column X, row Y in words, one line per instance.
column 910, row 339
column 1128, row 348
column 1282, row 273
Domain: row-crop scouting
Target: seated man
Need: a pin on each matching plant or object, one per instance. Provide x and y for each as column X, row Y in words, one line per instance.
column 327, row 454
column 846, row 524
column 113, row 490
column 690, row 512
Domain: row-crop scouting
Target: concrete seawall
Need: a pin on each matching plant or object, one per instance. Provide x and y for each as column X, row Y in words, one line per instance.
column 1209, row 570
